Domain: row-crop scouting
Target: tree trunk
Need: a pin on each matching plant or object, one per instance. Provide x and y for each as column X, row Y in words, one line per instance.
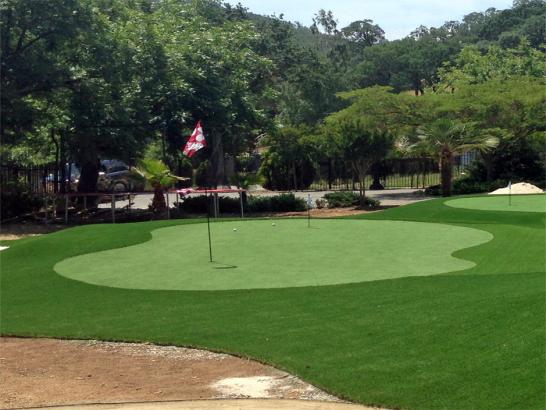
column 217, row 161
column 158, row 203
column 360, row 172
column 294, row 176
column 88, row 180
column 488, row 162
column 446, row 172
column 376, row 172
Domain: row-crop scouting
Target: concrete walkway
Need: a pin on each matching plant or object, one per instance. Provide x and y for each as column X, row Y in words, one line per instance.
column 244, row 404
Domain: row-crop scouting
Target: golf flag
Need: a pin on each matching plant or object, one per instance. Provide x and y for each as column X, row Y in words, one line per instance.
column 309, row 201
column 196, row 142
column 510, row 186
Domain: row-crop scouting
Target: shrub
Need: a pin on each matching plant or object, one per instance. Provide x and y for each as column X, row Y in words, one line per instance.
column 468, row 186
column 277, row 203
column 345, row 199
column 321, row 203
column 198, row 204
column 17, row 199
column 254, row 204
column 369, row 203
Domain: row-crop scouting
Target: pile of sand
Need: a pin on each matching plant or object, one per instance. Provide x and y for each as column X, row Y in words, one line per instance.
column 518, row 189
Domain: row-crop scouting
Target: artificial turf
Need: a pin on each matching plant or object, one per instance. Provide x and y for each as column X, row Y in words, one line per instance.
column 465, row 340
column 513, row 203
column 285, row 253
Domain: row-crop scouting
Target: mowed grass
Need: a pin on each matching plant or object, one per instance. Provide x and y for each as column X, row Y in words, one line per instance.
column 287, row 253
column 464, row 340
column 513, row 203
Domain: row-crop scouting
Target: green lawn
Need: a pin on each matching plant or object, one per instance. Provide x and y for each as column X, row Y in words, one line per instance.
column 470, row 339
column 514, row 203
column 286, row 253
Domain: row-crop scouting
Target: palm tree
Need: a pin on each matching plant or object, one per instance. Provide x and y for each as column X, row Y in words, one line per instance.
column 444, row 138
column 159, row 176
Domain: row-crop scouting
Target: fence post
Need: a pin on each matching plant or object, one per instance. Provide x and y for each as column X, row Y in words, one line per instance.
column 66, row 209
column 168, row 206
column 241, row 200
column 45, row 207
column 113, row 205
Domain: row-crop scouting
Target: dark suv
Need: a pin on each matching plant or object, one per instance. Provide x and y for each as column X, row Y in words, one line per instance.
column 115, row 175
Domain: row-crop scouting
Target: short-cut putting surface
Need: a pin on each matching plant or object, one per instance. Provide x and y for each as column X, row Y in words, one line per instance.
column 262, row 254
column 517, row 203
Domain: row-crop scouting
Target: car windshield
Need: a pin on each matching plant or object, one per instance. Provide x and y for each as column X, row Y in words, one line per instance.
column 112, row 165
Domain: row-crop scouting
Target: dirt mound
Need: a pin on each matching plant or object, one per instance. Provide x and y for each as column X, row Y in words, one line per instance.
column 518, row 189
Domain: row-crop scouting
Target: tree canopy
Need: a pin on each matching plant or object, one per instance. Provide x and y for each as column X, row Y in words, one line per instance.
column 110, row 79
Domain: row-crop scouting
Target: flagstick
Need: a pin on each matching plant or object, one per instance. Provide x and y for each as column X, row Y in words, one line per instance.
column 208, row 222
column 308, row 210
column 510, row 195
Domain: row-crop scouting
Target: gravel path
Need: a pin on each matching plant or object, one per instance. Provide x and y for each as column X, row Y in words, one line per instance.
column 47, row 372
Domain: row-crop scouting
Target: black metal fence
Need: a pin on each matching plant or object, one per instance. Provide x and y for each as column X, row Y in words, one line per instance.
column 36, row 179
column 331, row 175
column 394, row 173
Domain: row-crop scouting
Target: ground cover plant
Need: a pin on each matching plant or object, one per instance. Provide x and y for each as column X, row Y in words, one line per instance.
column 467, row 339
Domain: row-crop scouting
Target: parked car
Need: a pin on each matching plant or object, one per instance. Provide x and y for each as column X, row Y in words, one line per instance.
column 114, row 175
column 117, row 176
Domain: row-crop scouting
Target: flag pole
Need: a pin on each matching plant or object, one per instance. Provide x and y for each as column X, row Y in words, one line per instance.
column 208, row 222
column 309, row 210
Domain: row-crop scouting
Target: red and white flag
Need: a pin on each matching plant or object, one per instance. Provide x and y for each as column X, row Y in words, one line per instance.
column 196, row 142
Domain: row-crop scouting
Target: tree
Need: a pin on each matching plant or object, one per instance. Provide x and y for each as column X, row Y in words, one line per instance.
column 472, row 66
column 444, row 138
column 509, row 109
column 325, row 20
column 160, row 178
column 360, row 144
column 289, row 162
column 35, row 38
column 224, row 82
column 364, row 32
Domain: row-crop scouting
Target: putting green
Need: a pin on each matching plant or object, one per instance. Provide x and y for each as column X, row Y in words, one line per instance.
column 518, row 203
column 288, row 254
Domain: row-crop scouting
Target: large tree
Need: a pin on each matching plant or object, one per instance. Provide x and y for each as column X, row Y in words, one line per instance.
column 444, row 138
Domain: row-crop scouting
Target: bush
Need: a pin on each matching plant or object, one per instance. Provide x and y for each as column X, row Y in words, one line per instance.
column 345, row 199
column 369, row 203
column 321, row 203
column 277, row 203
column 254, row 204
column 468, row 186
column 198, row 204
column 17, row 199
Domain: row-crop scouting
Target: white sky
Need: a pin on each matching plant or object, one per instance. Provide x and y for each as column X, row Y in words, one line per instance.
column 397, row 17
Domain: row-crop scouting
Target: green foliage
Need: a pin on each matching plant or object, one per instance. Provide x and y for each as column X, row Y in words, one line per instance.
column 276, row 203
column 254, row 204
column 444, row 138
column 16, row 199
column 289, row 162
column 343, row 199
column 156, row 173
column 467, row 186
column 203, row 204
column 472, row 66
column 347, row 199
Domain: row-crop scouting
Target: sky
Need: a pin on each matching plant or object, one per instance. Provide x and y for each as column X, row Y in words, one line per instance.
column 397, row 17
